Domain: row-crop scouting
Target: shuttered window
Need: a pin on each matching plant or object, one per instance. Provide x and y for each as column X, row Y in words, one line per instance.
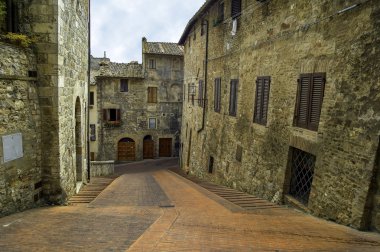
column 200, row 93
column 233, row 97
column 235, row 8
column 152, row 95
column 261, row 100
column 217, row 94
column 310, row 94
column 111, row 116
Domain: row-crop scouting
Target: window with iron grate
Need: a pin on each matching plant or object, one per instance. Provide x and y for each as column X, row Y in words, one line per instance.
column 302, row 172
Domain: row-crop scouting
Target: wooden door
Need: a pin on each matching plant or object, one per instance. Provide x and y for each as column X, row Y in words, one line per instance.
column 126, row 151
column 148, row 149
column 165, row 147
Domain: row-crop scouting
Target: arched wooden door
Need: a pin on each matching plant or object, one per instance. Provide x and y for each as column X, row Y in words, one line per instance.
column 148, row 147
column 126, row 150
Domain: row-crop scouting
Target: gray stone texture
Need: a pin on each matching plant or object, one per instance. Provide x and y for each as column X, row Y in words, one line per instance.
column 283, row 39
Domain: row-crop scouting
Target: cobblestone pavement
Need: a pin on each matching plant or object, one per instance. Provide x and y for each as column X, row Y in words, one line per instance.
column 136, row 213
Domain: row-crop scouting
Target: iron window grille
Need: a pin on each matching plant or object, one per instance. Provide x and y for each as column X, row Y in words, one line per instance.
column 302, row 172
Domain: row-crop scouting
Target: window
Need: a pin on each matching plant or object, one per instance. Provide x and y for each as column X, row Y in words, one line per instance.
column 220, row 12
column 123, row 85
column 92, row 98
column 235, row 8
column 211, row 165
column 111, row 116
column 309, row 100
column 233, row 97
column 152, row 123
column 200, row 93
column 12, row 16
column 217, row 94
column 152, row 95
column 92, row 132
column 152, row 64
column 261, row 100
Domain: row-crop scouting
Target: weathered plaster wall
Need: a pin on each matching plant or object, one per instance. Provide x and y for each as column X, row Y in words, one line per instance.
column 283, row 39
column 19, row 113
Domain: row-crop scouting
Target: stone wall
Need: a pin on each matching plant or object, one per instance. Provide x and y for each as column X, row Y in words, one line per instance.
column 20, row 186
column 102, row 168
column 284, row 39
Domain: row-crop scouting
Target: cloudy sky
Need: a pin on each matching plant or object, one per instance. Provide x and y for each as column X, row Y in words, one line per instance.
column 117, row 26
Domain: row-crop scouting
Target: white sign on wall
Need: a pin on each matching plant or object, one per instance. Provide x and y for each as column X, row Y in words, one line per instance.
column 12, row 147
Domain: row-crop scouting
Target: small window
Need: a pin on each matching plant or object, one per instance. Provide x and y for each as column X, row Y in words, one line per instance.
column 92, row 156
column 152, row 95
column 200, row 93
column 309, row 100
column 92, row 98
column 12, row 16
column 233, row 97
column 261, row 100
column 92, row 132
column 217, row 94
column 203, row 27
column 220, row 12
column 123, row 85
column 235, row 8
column 152, row 64
column 152, row 123
column 111, row 116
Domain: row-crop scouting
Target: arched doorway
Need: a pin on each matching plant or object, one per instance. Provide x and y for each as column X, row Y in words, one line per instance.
column 126, row 150
column 78, row 139
column 148, row 147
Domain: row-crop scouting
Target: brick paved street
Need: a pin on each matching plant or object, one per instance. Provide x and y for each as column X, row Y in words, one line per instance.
column 135, row 213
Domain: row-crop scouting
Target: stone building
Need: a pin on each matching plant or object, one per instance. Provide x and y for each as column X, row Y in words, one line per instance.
column 282, row 101
column 136, row 109
column 43, row 100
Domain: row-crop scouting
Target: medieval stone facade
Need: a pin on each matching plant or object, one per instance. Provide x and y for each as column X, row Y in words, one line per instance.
column 43, row 92
column 282, row 101
column 136, row 109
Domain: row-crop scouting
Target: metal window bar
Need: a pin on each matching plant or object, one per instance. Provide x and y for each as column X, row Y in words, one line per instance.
column 302, row 175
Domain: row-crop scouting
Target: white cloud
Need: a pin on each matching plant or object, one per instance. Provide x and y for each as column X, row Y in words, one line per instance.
column 117, row 26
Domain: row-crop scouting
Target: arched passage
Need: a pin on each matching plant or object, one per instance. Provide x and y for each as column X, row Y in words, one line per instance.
column 126, row 149
column 148, row 147
column 78, row 139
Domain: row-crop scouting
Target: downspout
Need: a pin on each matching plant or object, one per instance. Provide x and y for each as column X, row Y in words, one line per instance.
column 205, row 77
column 88, row 92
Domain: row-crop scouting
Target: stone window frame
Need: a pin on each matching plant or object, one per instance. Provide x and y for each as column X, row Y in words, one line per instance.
column 124, row 86
column 260, row 115
column 149, row 123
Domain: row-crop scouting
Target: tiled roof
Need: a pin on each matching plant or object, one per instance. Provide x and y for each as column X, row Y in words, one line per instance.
column 163, row 48
column 130, row 70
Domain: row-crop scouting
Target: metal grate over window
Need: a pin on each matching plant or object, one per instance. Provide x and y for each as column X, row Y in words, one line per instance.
column 302, row 175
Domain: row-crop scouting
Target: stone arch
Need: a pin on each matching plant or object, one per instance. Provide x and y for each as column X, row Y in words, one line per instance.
column 78, row 139
column 126, row 149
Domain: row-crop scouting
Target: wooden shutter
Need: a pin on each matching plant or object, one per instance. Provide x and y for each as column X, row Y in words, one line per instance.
column 303, row 100
column 235, row 8
column 152, row 94
column 266, row 89
column 258, row 100
column 316, row 98
column 233, row 97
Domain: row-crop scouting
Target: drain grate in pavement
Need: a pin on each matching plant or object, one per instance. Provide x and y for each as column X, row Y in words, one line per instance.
column 244, row 200
column 89, row 192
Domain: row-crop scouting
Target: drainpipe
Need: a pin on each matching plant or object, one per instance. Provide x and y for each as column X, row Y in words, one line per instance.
column 88, row 92
column 205, row 77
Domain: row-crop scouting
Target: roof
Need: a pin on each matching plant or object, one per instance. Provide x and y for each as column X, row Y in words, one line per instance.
column 130, row 70
column 194, row 19
column 163, row 48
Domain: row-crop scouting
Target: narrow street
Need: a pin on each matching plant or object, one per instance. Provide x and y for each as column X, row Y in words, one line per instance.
column 149, row 208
